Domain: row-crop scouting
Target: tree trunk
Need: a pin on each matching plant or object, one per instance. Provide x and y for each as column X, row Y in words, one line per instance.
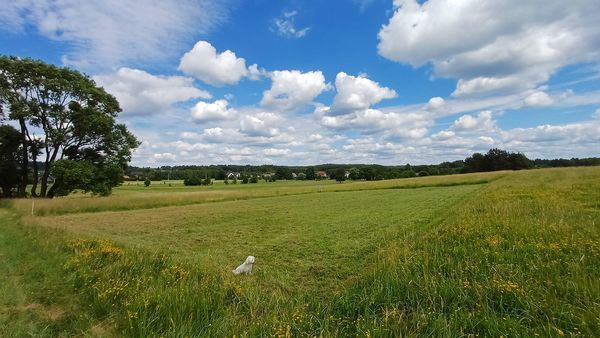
column 22, row 187
column 47, row 167
column 35, row 177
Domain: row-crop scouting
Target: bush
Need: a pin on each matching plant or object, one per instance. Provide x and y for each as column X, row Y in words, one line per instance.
column 254, row 179
column 147, row 182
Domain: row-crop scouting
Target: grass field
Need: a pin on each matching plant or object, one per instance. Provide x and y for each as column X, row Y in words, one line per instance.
column 497, row 254
column 136, row 196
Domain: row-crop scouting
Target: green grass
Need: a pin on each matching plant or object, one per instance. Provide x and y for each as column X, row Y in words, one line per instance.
column 133, row 197
column 325, row 237
column 517, row 256
column 36, row 297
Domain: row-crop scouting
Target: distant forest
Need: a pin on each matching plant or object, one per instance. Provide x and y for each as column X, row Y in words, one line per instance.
column 495, row 159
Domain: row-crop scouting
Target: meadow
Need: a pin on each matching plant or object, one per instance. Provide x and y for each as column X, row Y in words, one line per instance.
column 494, row 254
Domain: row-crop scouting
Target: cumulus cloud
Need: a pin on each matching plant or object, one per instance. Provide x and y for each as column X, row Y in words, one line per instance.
column 483, row 122
column 435, row 103
column 538, row 99
column 292, row 89
column 218, row 69
column 260, row 124
column 285, row 26
column 106, row 34
column 512, row 45
column 369, row 121
column 218, row 110
column 140, row 92
column 357, row 93
column 574, row 133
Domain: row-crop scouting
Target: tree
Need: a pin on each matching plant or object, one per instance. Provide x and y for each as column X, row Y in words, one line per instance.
column 497, row 159
column 339, row 174
column 147, row 182
column 282, row 173
column 310, row 173
column 354, row 173
column 10, row 140
column 78, row 123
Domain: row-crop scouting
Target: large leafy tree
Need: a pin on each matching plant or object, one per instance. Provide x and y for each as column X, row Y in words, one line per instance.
column 80, row 137
column 497, row 159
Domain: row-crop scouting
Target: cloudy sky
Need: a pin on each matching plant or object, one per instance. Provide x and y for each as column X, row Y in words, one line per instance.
column 307, row 82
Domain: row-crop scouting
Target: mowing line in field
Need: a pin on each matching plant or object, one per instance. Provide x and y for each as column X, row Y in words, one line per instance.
column 225, row 193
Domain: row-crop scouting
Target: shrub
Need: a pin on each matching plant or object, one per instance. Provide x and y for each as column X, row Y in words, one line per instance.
column 147, row 182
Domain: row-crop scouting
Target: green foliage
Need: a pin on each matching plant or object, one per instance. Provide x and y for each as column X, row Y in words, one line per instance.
column 73, row 175
column 147, row 182
column 339, row 175
column 310, row 173
column 195, row 178
column 76, row 116
column 497, row 159
column 10, row 141
column 253, row 179
column 354, row 173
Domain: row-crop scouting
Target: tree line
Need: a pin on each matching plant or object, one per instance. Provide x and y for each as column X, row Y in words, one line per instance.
column 494, row 159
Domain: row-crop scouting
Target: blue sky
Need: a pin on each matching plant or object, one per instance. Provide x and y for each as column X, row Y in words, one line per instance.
column 308, row 82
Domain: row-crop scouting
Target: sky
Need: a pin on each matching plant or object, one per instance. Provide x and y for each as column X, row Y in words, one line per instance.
column 348, row 81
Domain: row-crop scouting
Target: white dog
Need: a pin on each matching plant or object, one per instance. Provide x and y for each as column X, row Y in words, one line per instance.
column 245, row 267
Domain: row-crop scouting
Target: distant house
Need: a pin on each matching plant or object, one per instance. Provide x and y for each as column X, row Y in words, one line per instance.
column 320, row 174
column 294, row 175
column 231, row 175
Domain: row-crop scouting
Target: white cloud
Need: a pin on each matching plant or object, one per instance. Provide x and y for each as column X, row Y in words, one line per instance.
column 110, row 33
column 292, row 89
column 483, row 122
column 217, row 69
column 435, row 103
column 485, row 84
column 285, row 26
column 357, row 93
column 139, row 92
column 574, row 133
column 164, row 157
column 538, row 99
column 218, row 110
column 511, row 46
column 369, row 121
column 260, row 124
column 276, row 152
column 597, row 113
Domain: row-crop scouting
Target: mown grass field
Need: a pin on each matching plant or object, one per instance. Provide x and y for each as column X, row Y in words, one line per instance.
column 498, row 254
